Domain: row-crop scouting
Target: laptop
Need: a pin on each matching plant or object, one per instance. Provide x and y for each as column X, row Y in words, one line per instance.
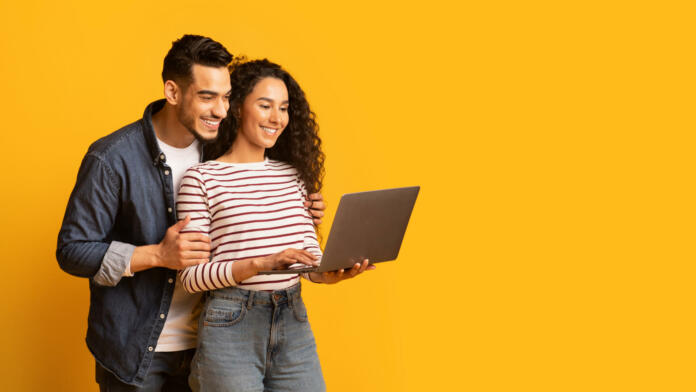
column 368, row 225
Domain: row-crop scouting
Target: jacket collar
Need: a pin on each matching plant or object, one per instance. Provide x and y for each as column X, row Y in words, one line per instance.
column 149, row 132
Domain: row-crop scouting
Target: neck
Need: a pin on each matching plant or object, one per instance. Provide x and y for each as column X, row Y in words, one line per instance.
column 242, row 152
column 168, row 128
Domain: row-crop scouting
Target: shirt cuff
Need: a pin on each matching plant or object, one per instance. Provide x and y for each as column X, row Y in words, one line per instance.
column 115, row 264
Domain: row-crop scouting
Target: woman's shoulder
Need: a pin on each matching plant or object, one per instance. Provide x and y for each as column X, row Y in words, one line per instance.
column 198, row 167
column 275, row 165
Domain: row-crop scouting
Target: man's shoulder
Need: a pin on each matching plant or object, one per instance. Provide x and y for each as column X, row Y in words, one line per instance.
column 125, row 141
column 122, row 138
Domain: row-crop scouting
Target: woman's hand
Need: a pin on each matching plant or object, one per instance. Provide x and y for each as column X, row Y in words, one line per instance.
column 337, row 276
column 282, row 260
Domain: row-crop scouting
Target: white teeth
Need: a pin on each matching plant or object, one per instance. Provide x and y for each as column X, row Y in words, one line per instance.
column 270, row 130
column 211, row 123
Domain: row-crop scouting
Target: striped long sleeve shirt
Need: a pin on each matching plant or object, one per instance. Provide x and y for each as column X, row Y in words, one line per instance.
column 247, row 210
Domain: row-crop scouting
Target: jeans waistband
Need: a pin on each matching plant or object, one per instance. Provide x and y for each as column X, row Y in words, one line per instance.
column 259, row 297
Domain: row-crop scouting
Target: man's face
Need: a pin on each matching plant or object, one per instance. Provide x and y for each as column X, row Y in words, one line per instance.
column 204, row 102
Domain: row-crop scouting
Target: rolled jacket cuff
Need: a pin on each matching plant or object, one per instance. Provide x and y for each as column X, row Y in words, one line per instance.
column 115, row 264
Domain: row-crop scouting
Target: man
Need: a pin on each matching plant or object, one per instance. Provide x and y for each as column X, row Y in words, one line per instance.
column 120, row 226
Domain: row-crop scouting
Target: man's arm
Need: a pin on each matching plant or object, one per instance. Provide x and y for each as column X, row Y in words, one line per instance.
column 89, row 218
column 176, row 251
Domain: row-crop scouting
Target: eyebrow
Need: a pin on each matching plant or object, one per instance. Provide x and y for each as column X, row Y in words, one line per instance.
column 270, row 100
column 210, row 92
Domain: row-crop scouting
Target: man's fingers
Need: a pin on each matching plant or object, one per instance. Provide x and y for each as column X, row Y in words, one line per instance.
column 191, row 255
column 196, row 245
column 315, row 197
column 195, row 237
column 180, row 224
column 318, row 206
column 189, row 262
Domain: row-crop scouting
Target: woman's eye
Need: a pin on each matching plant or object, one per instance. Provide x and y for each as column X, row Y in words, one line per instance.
column 284, row 109
column 265, row 106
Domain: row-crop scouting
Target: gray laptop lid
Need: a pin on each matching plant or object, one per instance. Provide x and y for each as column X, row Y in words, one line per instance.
column 368, row 225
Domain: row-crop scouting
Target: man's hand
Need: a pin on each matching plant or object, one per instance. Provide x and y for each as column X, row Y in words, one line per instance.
column 337, row 276
column 315, row 203
column 178, row 251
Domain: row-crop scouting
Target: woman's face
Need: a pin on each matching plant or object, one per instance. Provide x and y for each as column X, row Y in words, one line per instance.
column 264, row 114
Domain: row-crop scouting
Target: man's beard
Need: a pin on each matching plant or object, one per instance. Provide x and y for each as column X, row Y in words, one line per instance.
column 200, row 138
column 189, row 124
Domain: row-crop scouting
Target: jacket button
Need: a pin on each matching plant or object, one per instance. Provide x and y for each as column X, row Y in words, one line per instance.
column 162, row 315
column 166, row 172
column 170, row 280
column 169, row 209
column 150, row 348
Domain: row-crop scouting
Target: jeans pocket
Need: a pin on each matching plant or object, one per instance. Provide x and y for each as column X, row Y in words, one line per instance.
column 299, row 310
column 225, row 314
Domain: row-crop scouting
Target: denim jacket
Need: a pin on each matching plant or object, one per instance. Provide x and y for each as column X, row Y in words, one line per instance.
column 123, row 198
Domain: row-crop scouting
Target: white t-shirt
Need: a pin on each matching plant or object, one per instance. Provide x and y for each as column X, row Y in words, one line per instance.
column 180, row 328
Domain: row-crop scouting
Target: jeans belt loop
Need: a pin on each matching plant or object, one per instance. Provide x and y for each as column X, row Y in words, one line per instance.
column 250, row 300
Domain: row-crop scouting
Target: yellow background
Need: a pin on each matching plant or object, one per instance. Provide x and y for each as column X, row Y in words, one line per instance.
column 552, row 245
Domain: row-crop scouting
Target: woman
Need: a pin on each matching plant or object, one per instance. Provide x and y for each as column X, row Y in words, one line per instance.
column 253, row 333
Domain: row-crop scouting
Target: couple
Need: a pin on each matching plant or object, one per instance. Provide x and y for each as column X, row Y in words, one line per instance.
column 144, row 207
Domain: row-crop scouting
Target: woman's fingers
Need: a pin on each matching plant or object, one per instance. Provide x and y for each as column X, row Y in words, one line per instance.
column 292, row 256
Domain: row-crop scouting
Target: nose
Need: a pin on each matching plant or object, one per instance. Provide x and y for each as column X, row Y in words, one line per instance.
column 220, row 108
column 275, row 116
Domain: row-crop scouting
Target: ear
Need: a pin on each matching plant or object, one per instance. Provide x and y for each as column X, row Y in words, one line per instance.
column 172, row 92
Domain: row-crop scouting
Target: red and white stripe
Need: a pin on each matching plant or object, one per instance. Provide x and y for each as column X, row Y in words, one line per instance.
column 248, row 211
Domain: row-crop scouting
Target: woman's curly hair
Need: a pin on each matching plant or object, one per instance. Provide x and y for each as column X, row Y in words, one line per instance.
column 298, row 145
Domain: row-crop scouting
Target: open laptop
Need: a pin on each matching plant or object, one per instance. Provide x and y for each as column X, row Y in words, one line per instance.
column 368, row 225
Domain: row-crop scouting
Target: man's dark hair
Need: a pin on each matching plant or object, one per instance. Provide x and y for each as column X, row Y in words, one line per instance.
column 189, row 50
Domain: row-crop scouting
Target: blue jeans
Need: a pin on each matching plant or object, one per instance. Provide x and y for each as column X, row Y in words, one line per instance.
column 168, row 373
column 255, row 341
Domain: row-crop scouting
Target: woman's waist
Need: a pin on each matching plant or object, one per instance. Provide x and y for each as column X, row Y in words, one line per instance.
column 259, row 296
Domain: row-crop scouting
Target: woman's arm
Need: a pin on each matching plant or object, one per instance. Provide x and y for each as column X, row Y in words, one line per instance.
column 192, row 201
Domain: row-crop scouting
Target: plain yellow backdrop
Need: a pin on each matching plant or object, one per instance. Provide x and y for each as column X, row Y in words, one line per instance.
column 552, row 244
